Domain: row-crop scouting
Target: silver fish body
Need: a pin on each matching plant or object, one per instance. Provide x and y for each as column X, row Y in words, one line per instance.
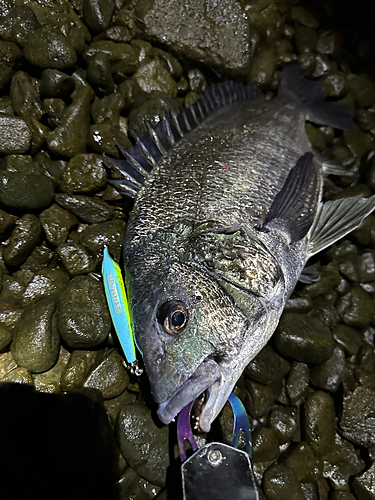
column 217, row 240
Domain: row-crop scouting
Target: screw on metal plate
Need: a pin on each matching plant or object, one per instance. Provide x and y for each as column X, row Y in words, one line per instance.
column 215, row 457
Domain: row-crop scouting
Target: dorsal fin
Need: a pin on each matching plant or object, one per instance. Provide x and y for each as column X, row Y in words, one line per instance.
column 152, row 146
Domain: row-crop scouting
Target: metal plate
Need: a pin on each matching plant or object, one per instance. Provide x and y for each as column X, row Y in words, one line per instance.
column 218, row 471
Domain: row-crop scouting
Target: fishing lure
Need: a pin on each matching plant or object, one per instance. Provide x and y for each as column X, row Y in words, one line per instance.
column 119, row 309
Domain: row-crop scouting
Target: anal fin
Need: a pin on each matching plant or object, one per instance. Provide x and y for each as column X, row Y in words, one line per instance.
column 337, row 218
column 309, row 275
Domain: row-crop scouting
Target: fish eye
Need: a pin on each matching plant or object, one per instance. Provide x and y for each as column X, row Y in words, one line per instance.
column 173, row 316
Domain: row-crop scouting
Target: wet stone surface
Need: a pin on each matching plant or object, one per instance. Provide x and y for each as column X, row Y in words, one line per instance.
column 77, row 76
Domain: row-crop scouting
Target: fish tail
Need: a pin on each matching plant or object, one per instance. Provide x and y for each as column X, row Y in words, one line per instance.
column 310, row 94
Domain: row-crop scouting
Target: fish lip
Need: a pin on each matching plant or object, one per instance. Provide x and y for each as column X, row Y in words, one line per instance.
column 189, row 390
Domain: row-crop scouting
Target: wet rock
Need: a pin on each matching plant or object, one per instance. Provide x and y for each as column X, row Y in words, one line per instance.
column 359, row 143
column 122, row 57
column 11, row 291
column 363, row 90
column 341, row 462
column 204, row 34
column 364, row 485
column 107, row 110
column 304, row 17
column 265, row 445
column 25, row 96
column 110, row 234
column 54, row 83
column 10, row 58
column 25, row 191
column 262, row 68
column 356, row 308
column 18, row 24
column 69, row 139
column 6, row 336
column 322, row 66
column 10, row 316
column 55, row 110
column 43, row 284
column 104, row 137
column 109, row 376
column 298, row 382
column 357, row 421
column 132, row 485
column 359, row 267
column 39, row 258
column 342, row 495
column 151, row 110
column 114, row 406
column 84, row 173
column 329, row 43
column 18, row 375
column 57, row 223
column 99, row 73
column 259, row 400
column 143, row 51
column 97, row 14
column 303, row 338
column 15, row 135
column 304, row 463
column 283, row 422
column 267, row 367
column 7, row 364
column 334, row 84
column 280, row 483
column 306, row 39
column 24, row 238
column 6, row 221
column 49, row 49
column 75, row 259
column 153, row 76
column 36, row 341
column 49, row 381
column 147, row 450
column 78, row 368
column 89, row 210
column 38, row 134
column 125, row 19
column 319, row 422
column 329, row 278
column 328, row 375
column 6, row 106
column 83, row 317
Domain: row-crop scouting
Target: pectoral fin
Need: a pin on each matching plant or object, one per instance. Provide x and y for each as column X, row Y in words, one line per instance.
column 336, row 219
column 295, row 205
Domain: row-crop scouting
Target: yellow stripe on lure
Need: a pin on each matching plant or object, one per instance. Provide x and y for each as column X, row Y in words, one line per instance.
column 119, row 308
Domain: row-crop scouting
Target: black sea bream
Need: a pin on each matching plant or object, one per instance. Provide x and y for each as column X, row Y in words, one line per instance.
column 221, row 230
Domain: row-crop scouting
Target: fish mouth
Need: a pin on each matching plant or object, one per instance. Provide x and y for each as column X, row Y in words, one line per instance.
column 206, row 379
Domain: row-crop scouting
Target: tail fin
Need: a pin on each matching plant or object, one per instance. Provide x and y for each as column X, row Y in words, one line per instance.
column 318, row 110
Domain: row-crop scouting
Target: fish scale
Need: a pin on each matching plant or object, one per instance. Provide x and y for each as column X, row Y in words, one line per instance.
column 220, row 233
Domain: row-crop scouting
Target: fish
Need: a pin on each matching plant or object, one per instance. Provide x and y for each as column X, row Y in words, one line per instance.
column 228, row 210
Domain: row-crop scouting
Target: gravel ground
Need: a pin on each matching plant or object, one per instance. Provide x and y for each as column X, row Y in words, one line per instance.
column 76, row 77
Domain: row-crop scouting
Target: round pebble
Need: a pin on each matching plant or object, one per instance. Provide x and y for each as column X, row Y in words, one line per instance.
column 49, row 49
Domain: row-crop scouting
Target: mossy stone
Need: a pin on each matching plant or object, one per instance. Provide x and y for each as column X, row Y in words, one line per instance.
column 107, row 109
column 69, row 139
column 84, row 173
column 319, row 422
column 6, row 336
column 259, row 399
column 153, row 76
column 267, row 367
column 328, row 375
column 97, row 14
column 17, row 25
column 36, row 341
column 280, row 483
column 262, row 68
column 304, row 463
column 43, row 284
column 78, row 368
column 297, row 385
column 356, row 308
column 54, row 83
column 109, row 376
column 360, row 268
column 75, row 259
column 10, row 59
column 265, row 445
column 24, row 93
column 47, row 48
column 90, row 210
column 57, row 223
column 104, row 137
column 25, row 191
column 302, row 338
column 283, row 421
column 110, row 234
column 121, row 56
column 83, row 317
column 24, row 238
column 99, row 73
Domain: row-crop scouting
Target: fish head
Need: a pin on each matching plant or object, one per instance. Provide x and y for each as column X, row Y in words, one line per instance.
column 197, row 331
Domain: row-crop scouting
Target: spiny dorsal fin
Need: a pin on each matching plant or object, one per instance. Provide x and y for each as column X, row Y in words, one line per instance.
column 295, row 205
column 152, row 146
column 337, row 218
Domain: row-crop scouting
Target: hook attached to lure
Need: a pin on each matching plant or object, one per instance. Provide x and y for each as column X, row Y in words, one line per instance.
column 119, row 309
